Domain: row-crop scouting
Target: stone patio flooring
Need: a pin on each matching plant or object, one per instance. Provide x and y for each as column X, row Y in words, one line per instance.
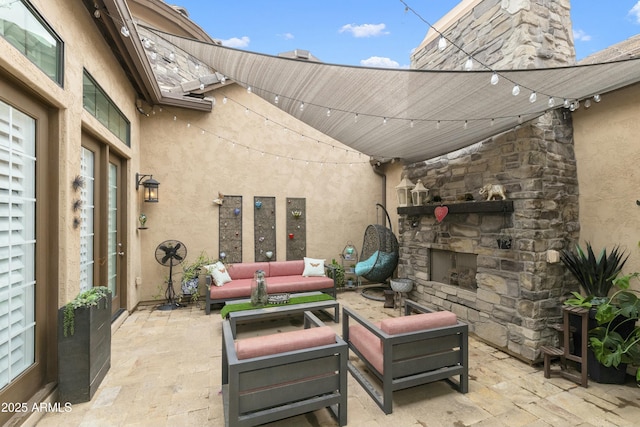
column 165, row 371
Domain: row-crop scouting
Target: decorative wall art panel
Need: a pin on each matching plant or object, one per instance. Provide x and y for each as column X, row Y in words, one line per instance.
column 230, row 235
column 264, row 228
column 296, row 228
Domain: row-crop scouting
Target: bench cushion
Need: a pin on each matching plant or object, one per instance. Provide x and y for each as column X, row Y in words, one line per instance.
column 246, row 270
column 283, row 342
column 286, row 268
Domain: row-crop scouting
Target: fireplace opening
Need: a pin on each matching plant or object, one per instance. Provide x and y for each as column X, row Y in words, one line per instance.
column 454, row 268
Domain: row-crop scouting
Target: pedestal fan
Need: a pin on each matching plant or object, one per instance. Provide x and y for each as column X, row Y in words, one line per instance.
column 170, row 253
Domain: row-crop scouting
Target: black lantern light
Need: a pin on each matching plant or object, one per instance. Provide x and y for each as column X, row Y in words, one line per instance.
column 150, row 187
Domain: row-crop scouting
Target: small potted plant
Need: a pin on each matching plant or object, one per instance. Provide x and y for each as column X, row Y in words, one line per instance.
column 191, row 275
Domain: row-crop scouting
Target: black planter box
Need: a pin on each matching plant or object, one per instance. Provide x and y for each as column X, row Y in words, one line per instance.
column 84, row 358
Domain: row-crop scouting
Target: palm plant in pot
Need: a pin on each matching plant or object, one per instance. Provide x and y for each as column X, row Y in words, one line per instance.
column 596, row 275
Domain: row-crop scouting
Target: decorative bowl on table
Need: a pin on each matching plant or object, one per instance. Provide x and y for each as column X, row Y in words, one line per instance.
column 278, row 299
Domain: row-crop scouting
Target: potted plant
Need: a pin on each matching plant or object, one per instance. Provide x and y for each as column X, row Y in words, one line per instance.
column 596, row 275
column 84, row 344
column 616, row 340
column 191, row 275
column 339, row 273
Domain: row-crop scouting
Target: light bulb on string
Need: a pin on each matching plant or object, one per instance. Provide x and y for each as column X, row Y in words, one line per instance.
column 468, row 65
column 355, row 119
column 246, row 111
column 224, row 100
column 587, row 103
column 276, row 99
column 384, row 120
column 125, row 31
column 519, row 119
column 411, row 124
column 566, row 103
column 516, row 90
column 533, row 97
column 329, row 112
column 438, row 124
column 248, row 89
column 492, row 122
column 201, row 86
column 223, row 80
column 597, row 97
column 302, row 106
column 552, row 102
column 154, row 56
column 146, row 43
column 495, row 79
column 442, row 44
column 172, row 56
column 465, row 125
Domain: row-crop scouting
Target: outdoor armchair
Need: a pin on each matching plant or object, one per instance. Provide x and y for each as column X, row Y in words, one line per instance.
column 277, row 376
column 407, row 351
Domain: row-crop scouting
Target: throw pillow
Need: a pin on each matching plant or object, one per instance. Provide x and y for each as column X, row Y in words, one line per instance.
column 313, row 267
column 219, row 273
column 363, row 267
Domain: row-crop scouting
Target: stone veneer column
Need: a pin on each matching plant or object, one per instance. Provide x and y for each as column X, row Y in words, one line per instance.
column 518, row 294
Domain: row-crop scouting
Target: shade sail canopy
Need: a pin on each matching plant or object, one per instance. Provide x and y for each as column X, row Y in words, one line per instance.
column 411, row 115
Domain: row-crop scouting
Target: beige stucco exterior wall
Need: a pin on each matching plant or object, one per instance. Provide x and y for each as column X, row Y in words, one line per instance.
column 239, row 153
column 84, row 47
column 607, row 153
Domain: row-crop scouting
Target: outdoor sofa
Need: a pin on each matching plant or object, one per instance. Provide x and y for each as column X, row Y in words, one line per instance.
column 406, row 351
column 226, row 282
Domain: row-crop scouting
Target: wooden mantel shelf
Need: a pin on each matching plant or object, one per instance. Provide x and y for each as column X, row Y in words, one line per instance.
column 493, row 206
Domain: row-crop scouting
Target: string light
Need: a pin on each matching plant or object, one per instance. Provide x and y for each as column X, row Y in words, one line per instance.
column 125, row 31
column 276, row 99
column 248, row 89
column 442, row 43
column 384, row 121
column 302, row 106
column 494, row 78
column 533, row 97
column 468, row 66
column 355, row 119
column 552, row 102
column 466, row 124
column 329, row 112
column 516, row 90
column 597, row 97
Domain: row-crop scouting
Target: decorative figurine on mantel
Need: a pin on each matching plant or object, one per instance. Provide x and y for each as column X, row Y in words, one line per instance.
column 493, row 190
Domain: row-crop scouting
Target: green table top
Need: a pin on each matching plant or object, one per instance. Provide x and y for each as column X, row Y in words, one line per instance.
column 228, row 308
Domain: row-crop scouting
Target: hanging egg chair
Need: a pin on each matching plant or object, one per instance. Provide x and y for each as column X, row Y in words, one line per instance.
column 380, row 252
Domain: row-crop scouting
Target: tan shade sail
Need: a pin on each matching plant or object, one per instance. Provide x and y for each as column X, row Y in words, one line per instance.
column 412, row 115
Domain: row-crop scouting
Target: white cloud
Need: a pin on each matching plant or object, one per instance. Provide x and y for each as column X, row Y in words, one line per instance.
column 236, row 42
column 287, row 36
column 380, row 62
column 635, row 12
column 580, row 35
column 364, row 30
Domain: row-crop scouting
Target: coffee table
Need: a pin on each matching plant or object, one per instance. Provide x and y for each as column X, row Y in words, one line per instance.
column 262, row 313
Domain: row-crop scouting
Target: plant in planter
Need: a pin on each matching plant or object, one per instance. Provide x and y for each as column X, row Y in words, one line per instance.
column 84, row 344
column 339, row 272
column 616, row 340
column 88, row 298
column 596, row 275
column 191, row 275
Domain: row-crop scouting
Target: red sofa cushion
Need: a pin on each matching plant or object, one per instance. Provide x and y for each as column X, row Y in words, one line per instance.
column 249, row 348
column 246, row 270
column 286, row 268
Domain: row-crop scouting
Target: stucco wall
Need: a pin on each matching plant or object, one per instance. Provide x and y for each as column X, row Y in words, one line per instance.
column 84, row 47
column 239, row 153
column 607, row 153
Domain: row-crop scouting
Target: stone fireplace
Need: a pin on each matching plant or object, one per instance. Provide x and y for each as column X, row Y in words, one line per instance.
column 510, row 297
column 517, row 293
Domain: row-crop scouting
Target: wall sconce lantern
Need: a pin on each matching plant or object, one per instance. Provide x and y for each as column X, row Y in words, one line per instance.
column 419, row 194
column 150, row 187
column 403, row 190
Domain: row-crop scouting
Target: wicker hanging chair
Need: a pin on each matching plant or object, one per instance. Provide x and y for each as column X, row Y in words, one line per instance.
column 380, row 252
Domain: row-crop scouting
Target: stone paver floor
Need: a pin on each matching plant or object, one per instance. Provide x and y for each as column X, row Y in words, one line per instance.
column 165, row 371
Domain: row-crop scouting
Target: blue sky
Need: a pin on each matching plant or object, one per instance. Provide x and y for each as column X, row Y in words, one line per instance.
column 376, row 32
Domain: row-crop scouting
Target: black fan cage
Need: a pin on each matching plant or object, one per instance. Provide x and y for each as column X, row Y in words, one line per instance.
column 380, row 239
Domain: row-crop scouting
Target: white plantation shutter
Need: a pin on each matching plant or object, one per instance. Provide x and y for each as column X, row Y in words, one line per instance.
column 17, row 243
column 87, row 233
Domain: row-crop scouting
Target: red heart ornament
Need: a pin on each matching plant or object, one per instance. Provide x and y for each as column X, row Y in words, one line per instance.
column 441, row 212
